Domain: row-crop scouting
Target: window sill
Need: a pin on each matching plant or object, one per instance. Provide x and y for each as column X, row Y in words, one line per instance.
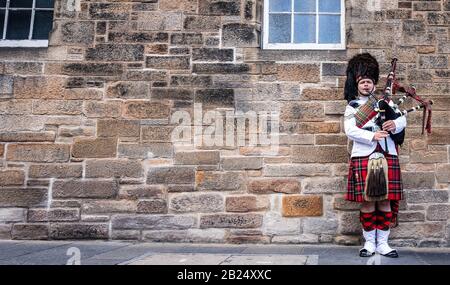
column 24, row 43
column 304, row 46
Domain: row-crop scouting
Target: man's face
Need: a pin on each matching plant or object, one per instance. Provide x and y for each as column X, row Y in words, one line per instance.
column 365, row 86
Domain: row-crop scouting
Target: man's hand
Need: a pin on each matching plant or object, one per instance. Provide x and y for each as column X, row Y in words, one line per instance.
column 379, row 135
column 389, row 126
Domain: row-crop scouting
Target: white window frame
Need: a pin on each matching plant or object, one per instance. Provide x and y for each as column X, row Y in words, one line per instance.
column 302, row 46
column 22, row 43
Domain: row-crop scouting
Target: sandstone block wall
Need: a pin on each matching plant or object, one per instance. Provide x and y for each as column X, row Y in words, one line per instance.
column 86, row 150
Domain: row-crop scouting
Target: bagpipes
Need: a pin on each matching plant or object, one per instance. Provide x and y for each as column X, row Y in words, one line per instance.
column 376, row 183
column 375, row 106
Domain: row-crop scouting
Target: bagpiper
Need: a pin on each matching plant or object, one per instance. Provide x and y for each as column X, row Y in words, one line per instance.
column 374, row 176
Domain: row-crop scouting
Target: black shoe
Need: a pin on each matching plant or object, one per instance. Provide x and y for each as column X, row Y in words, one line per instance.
column 392, row 254
column 365, row 253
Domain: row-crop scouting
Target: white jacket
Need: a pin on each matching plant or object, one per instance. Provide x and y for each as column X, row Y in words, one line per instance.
column 363, row 143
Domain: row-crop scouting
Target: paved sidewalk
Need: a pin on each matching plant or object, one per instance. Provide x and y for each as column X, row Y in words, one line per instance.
column 129, row 253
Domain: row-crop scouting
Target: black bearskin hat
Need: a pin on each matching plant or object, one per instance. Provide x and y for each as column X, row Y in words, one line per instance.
column 359, row 67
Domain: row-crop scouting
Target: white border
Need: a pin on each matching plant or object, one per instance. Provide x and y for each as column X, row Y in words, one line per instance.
column 308, row 46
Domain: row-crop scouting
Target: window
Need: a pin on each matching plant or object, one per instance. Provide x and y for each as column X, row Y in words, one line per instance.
column 304, row 24
column 25, row 23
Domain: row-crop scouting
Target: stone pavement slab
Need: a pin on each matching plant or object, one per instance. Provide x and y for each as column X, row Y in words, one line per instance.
column 219, row 259
column 53, row 253
column 180, row 259
column 274, row 249
column 260, row 259
column 433, row 257
column 133, row 253
column 10, row 251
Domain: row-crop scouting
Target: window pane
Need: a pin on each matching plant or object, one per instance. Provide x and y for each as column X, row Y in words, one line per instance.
column 330, row 29
column 279, row 28
column 330, row 6
column 305, row 6
column 305, row 29
column 42, row 24
column 44, row 3
column 280, row 6
column 21, row 3
column 2, row 21
column 18, row 25
column 2, row 3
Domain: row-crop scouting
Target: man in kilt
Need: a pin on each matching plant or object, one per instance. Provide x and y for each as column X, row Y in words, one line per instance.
column 376, row 217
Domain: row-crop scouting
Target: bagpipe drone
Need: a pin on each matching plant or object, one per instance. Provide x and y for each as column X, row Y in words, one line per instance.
column 387, row 111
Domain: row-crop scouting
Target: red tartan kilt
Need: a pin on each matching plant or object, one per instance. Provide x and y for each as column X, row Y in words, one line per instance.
column 357, row 173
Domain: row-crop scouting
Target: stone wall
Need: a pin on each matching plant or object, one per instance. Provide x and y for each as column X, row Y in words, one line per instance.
column 86, row 150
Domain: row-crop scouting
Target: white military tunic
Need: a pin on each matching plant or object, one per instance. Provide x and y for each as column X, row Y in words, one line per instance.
column 363, row 143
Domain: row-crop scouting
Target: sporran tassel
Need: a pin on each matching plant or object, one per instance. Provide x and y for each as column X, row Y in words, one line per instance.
column 376, row 182
column 383, row 182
